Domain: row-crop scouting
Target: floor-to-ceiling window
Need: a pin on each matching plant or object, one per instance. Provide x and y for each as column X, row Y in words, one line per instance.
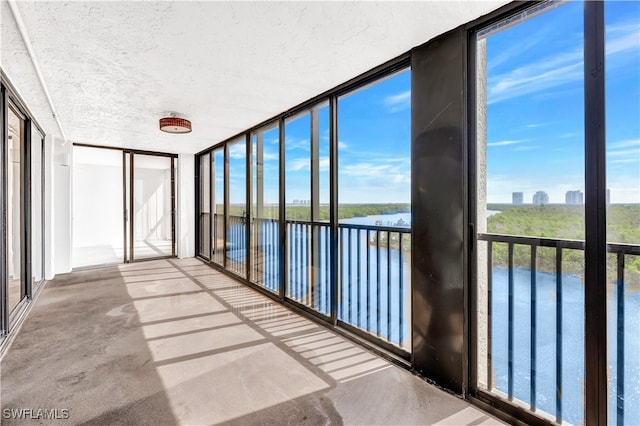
column 307, row 208
column 204, row 211
column 15, row 208
column 217, row 185
column 622, row 88
column 374, row 193
column 557, row 109
column 265, row 207
column 530, row 212
column 276, row 217
column 236, row 253
column 21, row 205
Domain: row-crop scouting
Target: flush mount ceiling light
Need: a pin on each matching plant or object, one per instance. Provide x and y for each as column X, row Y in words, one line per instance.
column 175, row 124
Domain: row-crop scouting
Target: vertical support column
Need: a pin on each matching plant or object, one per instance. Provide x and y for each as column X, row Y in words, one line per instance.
column 197, row 212
column 213, row 241
column 125, row 210
column 315, row 201
column 4, row 314
column 259, row 256
column 283, row 264
column 333, row 207
column 49, row 212
column 259, row 213
column 132, row 209
column 438, row 154
column 248, row 220
column 595, row 217
column 226, row 203
column 173, row 204
column 25, row 200
column 479, row 318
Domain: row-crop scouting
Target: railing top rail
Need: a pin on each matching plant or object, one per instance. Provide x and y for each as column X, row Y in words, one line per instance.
column 375, row 227
column 533, row 241
column 557, row 242
column 306, row 222
column 624, row 248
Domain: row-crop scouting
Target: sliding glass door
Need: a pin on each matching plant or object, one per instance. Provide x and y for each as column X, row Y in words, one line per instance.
column 152, row 216
column 21, row 208
column 15, row 152
column 98, row 232
column 123, row 206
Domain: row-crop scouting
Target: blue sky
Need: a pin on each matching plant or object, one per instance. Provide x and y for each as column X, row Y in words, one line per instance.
column 535, row 120
column 535, row 112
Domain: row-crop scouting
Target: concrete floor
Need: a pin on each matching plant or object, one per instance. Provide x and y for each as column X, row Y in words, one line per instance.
column 175, row 342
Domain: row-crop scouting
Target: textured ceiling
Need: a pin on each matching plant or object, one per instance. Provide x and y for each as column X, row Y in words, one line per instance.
column 114, row 68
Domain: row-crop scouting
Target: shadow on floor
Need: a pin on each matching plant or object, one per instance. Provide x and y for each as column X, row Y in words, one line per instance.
column 176, row 342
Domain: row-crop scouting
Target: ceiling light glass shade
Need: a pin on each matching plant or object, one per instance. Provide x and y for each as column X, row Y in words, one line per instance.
column 175, row 125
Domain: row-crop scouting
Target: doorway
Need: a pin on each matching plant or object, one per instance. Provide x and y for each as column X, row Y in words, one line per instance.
column 123, row 206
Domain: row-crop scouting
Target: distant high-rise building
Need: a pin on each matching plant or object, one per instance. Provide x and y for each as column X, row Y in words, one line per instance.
column 540, row 198
column 517, row 198
column 608, row 196
column 574, row 197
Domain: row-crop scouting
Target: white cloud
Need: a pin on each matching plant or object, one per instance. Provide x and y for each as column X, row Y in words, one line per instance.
column 298, row 164
column 292, row 143
column 526, row 148
column 505, row 143
column 238, row 150
column 548, row 72
column 624, row 144
column 398, row 102
column 624, row 152
column 626, row 160
column 342, row 145
column 555, row 70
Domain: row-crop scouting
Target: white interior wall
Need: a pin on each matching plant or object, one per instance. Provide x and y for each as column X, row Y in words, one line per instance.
column 61, row 205
column 49, row 211
column 186, row 227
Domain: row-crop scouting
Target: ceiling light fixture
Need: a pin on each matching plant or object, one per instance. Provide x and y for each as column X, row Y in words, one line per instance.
column 175, row 124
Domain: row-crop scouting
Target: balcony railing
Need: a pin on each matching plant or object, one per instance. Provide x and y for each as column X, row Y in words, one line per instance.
column 373, row 270
column 265, row 253
column 540, row 354
column 308, row 263
column 375, row 281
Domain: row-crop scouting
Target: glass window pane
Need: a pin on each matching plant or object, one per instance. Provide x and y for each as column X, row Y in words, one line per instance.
column 530, row 184
column 152, row 218
column 297, row 145
column 204, row 213
column 236, row 227
column 98, row 229
column 218, row 234
column 15, row 145
column 374, row 178
column 265, row 230
column 622, row 89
